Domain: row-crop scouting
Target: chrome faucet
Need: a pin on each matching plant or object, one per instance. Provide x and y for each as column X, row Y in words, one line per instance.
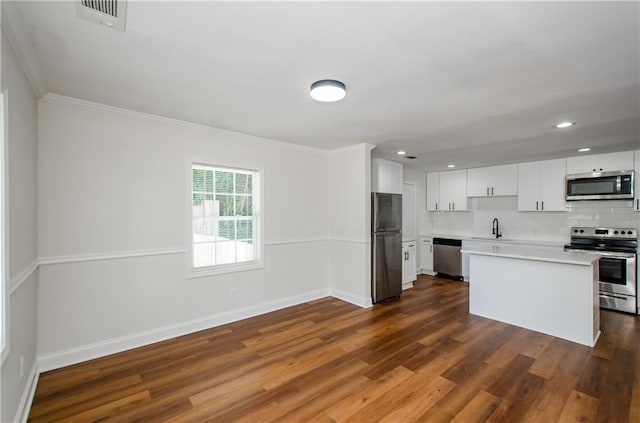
column 495, row 227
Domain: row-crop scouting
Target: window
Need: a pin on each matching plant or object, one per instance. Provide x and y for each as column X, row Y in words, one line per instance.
column 224, row 219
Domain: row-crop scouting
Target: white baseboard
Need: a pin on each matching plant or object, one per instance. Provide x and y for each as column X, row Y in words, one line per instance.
column 22, row 414
column 407, row 285
column 427, row 272
column 350, row 298
column 111, row 346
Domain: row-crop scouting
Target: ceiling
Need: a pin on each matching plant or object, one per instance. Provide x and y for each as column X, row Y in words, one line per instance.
column 473, row 84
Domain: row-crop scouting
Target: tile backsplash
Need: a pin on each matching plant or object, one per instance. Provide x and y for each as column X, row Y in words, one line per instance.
column 547, row 226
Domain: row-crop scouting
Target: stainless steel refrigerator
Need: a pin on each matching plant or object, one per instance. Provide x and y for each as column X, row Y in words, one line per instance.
column 386, row 249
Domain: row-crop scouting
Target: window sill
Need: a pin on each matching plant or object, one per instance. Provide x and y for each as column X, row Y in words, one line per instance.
column 221, row 270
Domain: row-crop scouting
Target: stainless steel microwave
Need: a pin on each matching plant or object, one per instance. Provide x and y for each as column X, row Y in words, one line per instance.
column 600, row 186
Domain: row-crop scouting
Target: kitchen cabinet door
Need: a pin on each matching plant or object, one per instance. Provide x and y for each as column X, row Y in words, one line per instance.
column 408, row 262
column 541, row 186
column 615, row 161
column 492, row 181
column 582, row 164
column 479, row 182
column 504, row 180
column 600, row 162
column 426, row 255
column 386, row 176
column 552, row 185
column 529, row 186
column 453, row 190
column 433, row 191
column 636, row 201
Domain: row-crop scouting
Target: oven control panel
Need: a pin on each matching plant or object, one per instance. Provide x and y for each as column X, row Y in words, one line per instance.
column 620, row 233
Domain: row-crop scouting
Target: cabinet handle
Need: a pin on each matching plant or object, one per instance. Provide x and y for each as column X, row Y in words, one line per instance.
column 637, row 204
column 449, row 206
column 430, row 248
column 594, row 170
column 487, row 190
column 454, row 206
column 491, row 190
column 543, row 205
column 536, row 205
column 436, row 206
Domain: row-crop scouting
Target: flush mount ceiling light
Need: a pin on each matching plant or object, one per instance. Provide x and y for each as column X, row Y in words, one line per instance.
column 451, row 165
column 401, row 153
column 328, row 90
column 584, row 150
column 563, row 125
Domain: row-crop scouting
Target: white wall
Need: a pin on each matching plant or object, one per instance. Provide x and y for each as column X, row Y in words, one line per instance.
column 349, row 210
column 22, row 232
column 112, row 181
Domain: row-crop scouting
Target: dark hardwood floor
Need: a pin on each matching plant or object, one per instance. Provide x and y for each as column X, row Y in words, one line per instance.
column 423, row 358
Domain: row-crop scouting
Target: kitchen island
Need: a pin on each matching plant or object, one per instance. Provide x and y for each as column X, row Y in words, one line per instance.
column 553, row 292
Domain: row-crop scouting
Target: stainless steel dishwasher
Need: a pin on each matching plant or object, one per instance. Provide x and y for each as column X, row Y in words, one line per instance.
column 446, row 257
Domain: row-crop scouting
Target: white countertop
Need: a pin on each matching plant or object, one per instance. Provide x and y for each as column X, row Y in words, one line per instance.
column 578, row 258
column 489, row 238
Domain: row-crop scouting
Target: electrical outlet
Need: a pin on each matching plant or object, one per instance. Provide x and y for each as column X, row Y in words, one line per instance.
column 232, row 292
column 22, row 367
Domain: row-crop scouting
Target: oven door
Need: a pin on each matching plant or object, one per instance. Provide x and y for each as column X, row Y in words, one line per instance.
column 618, row 273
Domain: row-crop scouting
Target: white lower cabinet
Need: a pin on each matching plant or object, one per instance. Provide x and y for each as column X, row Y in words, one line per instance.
column 426, row 256
column 408, row 264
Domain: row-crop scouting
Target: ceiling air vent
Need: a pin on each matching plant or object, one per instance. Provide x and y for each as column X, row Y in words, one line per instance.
column 109, row 13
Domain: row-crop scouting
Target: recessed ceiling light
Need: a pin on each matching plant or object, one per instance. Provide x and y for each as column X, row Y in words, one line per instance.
column 401, row 153
column 584, row 150
column 451, row 165
column 563, row 125
column 328, row 90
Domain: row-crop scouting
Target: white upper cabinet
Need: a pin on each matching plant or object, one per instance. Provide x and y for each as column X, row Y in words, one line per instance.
column 541, row 186
column 453, row 190
column 636, row 200
column 600, row 162
column 447, row 191
column 492, row 181
column 433, row 191
column 529, row 186
column 552, row 185
column 386, row 176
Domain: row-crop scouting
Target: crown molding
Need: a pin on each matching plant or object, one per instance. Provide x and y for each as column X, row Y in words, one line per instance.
column 13, row 28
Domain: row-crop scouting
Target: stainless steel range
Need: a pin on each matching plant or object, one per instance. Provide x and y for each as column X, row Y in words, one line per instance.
column 618, row 248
